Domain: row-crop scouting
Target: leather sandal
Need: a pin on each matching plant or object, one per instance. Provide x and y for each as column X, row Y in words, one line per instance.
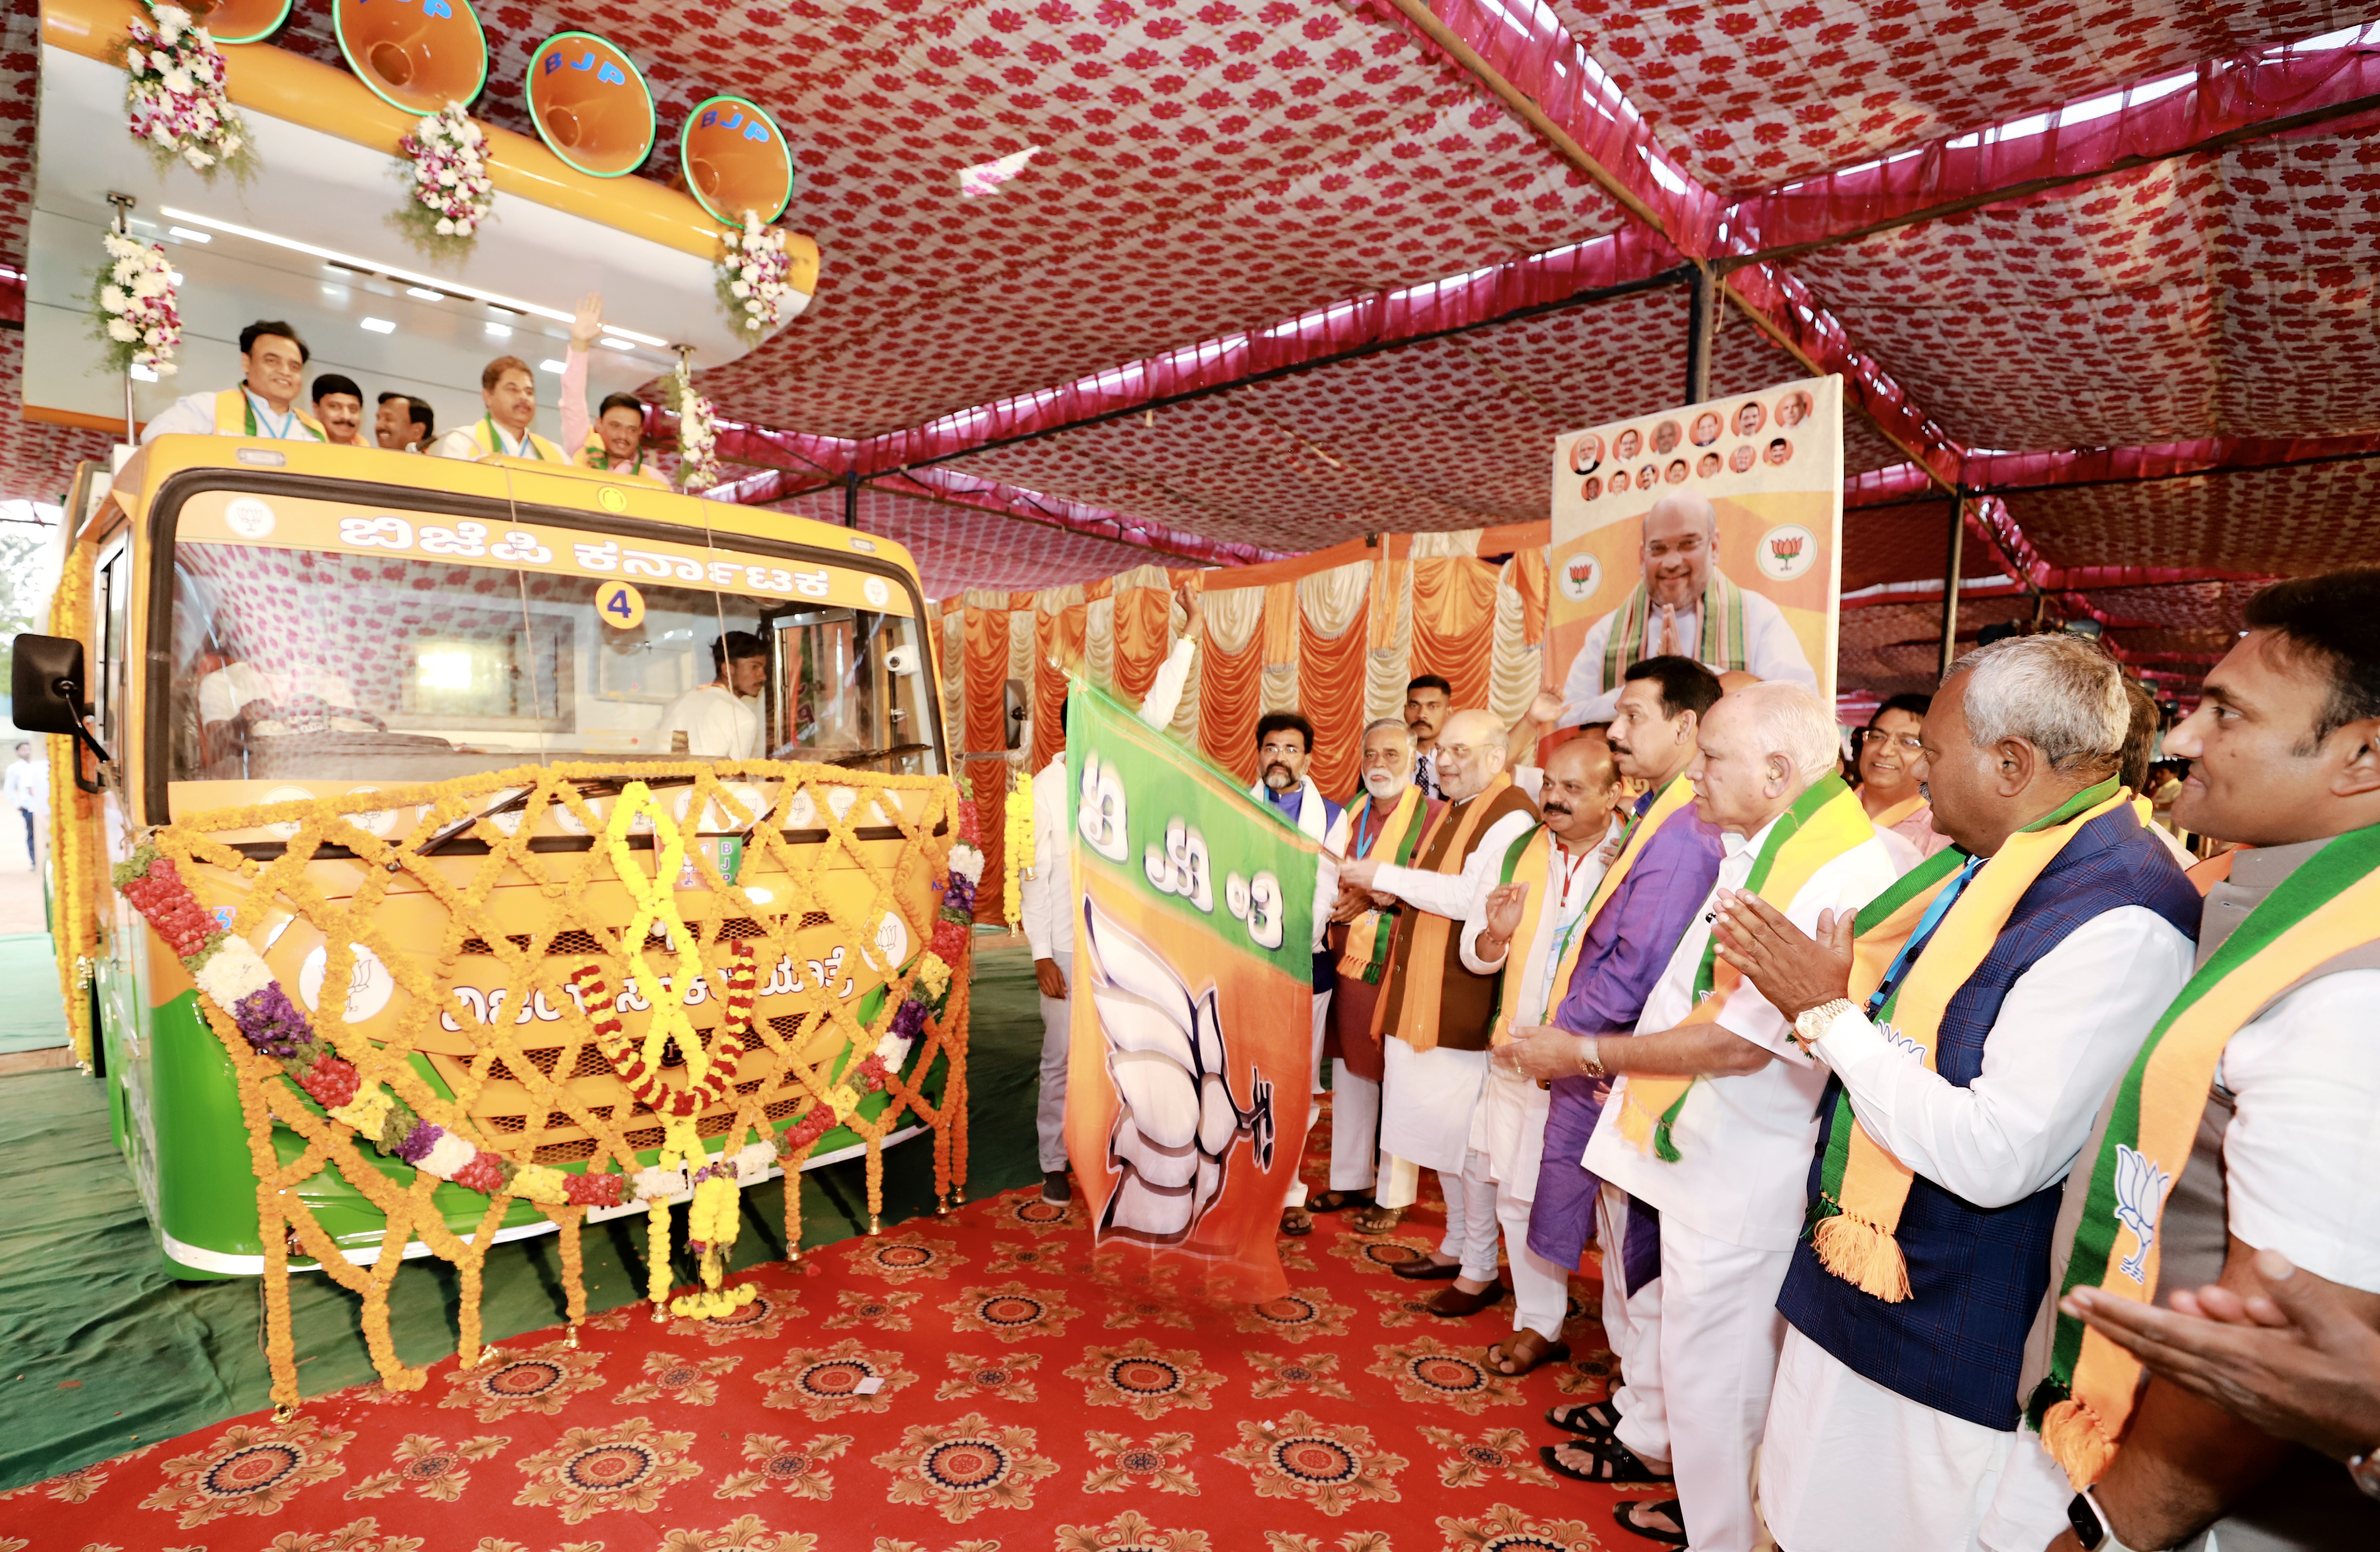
column 1454, row 1304
column 1592, row 1419
column 1652, row 1533
column 1376, row 1219
column 1614, row 1462
column 1524, row 1350
column 1338, row 1201
column 1297, row 1223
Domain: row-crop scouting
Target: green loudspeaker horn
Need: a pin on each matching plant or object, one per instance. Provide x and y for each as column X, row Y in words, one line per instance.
column 590, row 103
column 736, row 159
column 415, row 55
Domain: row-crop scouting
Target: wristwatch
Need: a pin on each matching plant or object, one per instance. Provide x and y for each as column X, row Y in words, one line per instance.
column 1593, row 1067
column 2090, row 1523
column 2365, row 1471
column 1812, row 1023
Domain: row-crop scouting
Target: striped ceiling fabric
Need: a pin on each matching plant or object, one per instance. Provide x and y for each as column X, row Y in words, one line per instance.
column 2012, row 224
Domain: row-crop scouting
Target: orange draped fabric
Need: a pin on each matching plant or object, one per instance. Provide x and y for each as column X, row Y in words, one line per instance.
column 1141, row 640
column 1330, row 692
column 1530, row 577
column 1455, row 623
column 1230, row 687
column 1057, row 648
column 983, row 672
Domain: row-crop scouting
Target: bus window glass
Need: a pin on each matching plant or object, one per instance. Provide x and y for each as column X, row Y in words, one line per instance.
column 853, row 690
column 298, row 663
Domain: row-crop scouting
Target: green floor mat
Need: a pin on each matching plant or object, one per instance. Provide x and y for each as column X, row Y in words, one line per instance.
column 35, row 1019
column 105, row 1353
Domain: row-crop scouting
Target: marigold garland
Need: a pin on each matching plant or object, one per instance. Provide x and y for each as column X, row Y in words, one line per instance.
column 336, row 1085
column 75, row 930
column 1019, row 838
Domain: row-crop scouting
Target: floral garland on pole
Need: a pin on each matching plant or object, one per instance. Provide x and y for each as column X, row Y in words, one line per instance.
column 754, row 276
column 133, row 312
column 698, row 434
column 451, row 193
column 174, row 94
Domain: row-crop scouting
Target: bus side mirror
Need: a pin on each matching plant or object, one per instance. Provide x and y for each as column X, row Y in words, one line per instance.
column 47, row 690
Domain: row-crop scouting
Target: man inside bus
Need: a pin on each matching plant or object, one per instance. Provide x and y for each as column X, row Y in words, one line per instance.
column 508, row 390
column 339, row 406
column 273, row 372
column 240, row 699
column 713, row 717
column 404, row 425
column 615, row 442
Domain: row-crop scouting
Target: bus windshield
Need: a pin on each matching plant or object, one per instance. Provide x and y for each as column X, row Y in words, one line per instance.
column 438, row 658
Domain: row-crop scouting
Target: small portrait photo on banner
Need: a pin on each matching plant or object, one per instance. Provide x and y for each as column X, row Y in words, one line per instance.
column 1735, row 563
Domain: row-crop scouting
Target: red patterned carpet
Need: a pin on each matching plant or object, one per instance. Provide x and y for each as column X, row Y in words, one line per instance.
column 1016, row 1405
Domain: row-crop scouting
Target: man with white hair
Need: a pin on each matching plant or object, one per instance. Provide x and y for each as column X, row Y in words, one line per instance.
column 1683, row 604
column 1988, row 1002
column 1435, row 1012
column 1714, row 1108
column 1386, row 824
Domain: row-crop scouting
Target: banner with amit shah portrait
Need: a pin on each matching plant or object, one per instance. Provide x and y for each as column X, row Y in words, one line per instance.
column 1713, row 531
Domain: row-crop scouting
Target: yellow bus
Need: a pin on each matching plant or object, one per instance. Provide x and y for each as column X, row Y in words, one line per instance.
column 281, row 646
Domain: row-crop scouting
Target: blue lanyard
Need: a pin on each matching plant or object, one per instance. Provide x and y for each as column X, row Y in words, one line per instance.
column 258, row 413
column 1924, row 935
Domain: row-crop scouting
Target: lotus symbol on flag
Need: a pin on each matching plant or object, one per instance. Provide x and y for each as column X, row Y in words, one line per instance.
column 1582, row 570
column 1785, row 547
column 1178, row 1123
column 2140, row 1201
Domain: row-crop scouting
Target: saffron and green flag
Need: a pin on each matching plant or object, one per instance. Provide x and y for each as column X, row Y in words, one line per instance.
column 1186, row 1100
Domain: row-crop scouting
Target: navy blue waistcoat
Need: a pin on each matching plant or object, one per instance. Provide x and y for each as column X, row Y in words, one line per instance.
column 1977, row 1275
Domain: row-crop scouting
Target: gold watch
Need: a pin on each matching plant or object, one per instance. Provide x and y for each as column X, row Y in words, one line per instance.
column 1813, row 1023
column 1593, row 1067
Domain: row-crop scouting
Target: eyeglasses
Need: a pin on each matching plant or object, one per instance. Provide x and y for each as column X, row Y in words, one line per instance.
column 1907, row 744
column 1456, row 751
column 1285, row 751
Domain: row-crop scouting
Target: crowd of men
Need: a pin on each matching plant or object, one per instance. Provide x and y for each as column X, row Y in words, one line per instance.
column 272, row 401
column 1971, row 1166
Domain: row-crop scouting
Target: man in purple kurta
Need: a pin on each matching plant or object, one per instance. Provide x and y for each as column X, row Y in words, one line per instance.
column 1628, row 944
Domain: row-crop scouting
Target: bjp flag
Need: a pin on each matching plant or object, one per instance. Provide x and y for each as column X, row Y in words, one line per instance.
column 1186, row 1100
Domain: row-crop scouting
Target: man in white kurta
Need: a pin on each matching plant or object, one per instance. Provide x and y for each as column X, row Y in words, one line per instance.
column 1508, row 1126
column 1731, row 1203
column 1047, row 900
column 1680, row 556
column 1851, row 1460
column 713, row 716
column 265, row 405
column 1428, row 1094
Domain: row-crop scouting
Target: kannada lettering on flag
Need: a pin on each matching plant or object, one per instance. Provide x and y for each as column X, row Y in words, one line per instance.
column 1186, row 1101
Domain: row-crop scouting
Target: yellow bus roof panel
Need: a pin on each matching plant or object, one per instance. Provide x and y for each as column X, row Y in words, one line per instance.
column 525, row 481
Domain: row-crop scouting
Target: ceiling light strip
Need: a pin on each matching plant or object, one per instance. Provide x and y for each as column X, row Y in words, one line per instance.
column 407, row 277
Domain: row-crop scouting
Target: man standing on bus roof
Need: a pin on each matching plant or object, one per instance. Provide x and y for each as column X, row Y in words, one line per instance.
column 339, row 407
column 615, row 442
column 273, row 370
column 404, row 425
column 716, row 722
column 508, row 389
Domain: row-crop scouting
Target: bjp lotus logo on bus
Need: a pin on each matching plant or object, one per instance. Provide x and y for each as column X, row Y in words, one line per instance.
column 1580, row 576
column 1786, row 552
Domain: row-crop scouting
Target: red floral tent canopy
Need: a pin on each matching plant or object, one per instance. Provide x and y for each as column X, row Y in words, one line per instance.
column 1273, row 275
